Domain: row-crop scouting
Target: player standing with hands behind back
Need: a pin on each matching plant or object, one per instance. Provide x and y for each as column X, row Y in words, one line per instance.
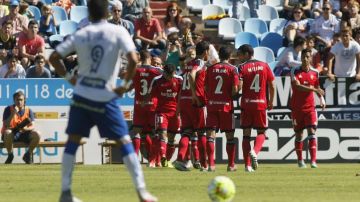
column 95, row 95
column 255, row 77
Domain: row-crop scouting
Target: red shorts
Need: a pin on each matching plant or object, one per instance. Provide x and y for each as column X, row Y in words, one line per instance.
column 256, row 119
column 193, row 118
column 167, row 122
column 144, row 119
column 225, row 121
column 302, row 120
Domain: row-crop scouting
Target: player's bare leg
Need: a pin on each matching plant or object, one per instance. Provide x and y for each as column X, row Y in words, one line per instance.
column 246, row 147
column 312, row 146
column 202, row 150
column 34, row 141
column 170, row 147
column 230, row 149
column 210, row 147
column 298, row 148
column 259, row 141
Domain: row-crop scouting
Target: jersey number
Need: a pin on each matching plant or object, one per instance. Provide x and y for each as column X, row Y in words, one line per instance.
column 144, row 87
column 255, row 84
column 219, row 85
column 186, row 82
column 97, row 54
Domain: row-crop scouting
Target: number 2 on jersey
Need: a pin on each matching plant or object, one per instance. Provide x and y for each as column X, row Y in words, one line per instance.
column 219, row 85
column 255, row 85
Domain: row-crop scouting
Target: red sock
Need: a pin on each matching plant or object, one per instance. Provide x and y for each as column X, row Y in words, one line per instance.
column 298, row 148
column 312, row 149
column 210, row 147
column 154, row 149
column 163, row 148
column 246, row 149
column 170, row 151
column 136, row 142
column 148, row 145
column 202, row 150
column 188, row 154
column 183, row 147
column 259, row 141
column 230, row 149
column 195, row 149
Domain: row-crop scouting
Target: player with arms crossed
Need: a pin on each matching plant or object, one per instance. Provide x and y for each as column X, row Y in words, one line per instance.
column 255, row 78
column 305, row 81
column 221, row 84
column 144, row 112
column 192, row 109
column 166, row 88
column 99, row 47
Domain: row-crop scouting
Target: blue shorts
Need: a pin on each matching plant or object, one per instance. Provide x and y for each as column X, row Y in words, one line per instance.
column 107, row 116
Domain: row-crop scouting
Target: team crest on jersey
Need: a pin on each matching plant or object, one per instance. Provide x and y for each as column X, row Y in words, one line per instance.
column 300, row 76
column 311, row 77
column 174, row 84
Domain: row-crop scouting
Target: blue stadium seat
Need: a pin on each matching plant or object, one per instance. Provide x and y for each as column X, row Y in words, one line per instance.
column 225, row 4
column 272, row 40
column 211, row 10
column 273, row 64
column 243, row 14
column 277, row 25
column 67, row 27
column 281, row 50
column 255, row 26
column 36, row 12
column 246, row 38
column 264, row 54
column 59, row 14
column 78, row 13
column 196, row 5
column 228, row 28
column 277, row 4
column 267, row 13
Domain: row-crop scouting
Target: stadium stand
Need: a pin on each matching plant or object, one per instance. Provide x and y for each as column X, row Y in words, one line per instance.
column 255, row 26
column 264, row 54
column 228, row 28
column 246, row 38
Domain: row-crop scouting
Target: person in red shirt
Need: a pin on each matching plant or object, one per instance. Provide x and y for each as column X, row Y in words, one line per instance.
column 256, row 78
column 305, row 81
column 192, row 109
column 30, row 44
column 222, row 83
column 148, row 32
column 144, row 113
column 166, row 89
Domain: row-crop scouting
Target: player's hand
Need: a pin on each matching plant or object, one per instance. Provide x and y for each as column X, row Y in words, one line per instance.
column 320, row 91
column 357, row 77
column 270, row 106
column 331, row 77
column 196, row 101
column 120, row 91
column 322, row 107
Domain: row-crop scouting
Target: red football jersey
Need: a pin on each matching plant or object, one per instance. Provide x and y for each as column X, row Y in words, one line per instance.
column 220, row 79
column 199, row 66
column 256, row 75
column 142, row 80
column 166, row 92
column 302, row 100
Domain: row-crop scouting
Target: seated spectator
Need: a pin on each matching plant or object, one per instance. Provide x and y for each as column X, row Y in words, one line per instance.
column 4, row 9
column 354, row 14
column 12, row 69
column 253, row 5
column 7, row 41
column 186, row 29
column 173, row 52
column 290, row 4
column 30, row 44
column 66, row 4
column 173, row 19
column 13, row 115
column 24, row 11
column 213, row 56
column 317, row 8
column 38, row 70
column 148, row 32
column 347, row 57
column 356, row 34
column 290, row 57
column 20, row 23
column 38, row 3
column 116, row 19
column 298, row 25
column 133, row 9
column 47, row 22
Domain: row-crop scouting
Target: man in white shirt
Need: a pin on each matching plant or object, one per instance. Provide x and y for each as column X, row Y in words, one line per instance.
column 98, row 46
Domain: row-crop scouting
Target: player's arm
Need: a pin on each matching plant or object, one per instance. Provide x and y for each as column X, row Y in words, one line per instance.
column 192, row 80
column 236, row 83
column 271, row 94
column 301, row 87
column 130, row 73
column 330, row 61
column 357, row 76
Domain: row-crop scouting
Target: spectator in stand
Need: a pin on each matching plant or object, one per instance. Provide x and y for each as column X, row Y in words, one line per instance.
column 116, row 19
column 290, row 4
column 354, row 14
column 325, row 26
column 7, row 41
column 290, row 57
column 213, row 56
column 356, row 34
column 317, row 8
column 30, row 44
column 38, row 70
column 156, row 62
column 66, row 4
column 20, row 23
column 24, row 10
column 347, row 57
column 173, row 51
column 47, row 22
column 4, row 9
column 253, row 5
column 186, row 29
column 12, row 69
column 133, row 9
column 148, row 32
column 298, row 25
column 39, row 4
column 173, row 19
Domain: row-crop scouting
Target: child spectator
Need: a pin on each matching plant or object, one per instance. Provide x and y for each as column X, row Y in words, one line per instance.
column 47, row 21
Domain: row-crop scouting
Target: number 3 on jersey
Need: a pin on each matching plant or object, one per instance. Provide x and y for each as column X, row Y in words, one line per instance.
column 255, row 85
column 144, row 87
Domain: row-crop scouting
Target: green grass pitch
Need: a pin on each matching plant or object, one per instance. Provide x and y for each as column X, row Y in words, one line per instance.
column 110, row 183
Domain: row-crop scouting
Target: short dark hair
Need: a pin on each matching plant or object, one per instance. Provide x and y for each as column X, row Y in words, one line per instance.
column 224, row 53
column 7, row 22
column 201, row 47
column 144, row 55
column 39, row 57
column 18, row 94
column 98, row 9
column 299, row 41
column 304, row 51
column 246, row 48
column 169, row 69
column 32, row 22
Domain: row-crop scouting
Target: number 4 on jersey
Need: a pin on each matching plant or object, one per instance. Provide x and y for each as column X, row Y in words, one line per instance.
column 255, row 83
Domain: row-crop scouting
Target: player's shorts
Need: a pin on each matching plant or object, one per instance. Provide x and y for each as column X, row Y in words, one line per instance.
column 302, row 120
column 84, row 114
column 167, row 122
column 193, row 118
column 144, row 119
column 21, row 137
column 225, row 121
column 256, row 119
